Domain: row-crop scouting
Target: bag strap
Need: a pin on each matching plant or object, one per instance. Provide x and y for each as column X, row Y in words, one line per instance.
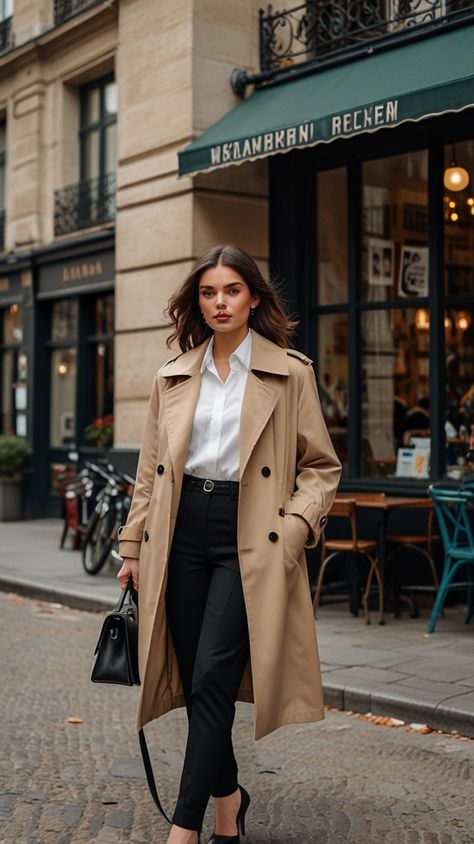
column 149, row 774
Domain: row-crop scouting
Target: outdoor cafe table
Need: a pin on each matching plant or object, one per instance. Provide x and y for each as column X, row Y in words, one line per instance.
column 383, row 504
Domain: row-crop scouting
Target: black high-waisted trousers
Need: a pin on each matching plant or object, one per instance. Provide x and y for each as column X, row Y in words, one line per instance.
column 208, row 624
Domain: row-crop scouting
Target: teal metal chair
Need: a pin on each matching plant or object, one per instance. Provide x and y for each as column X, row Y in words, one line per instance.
column 453, row 515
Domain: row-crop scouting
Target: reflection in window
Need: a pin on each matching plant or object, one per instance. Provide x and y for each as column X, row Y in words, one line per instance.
column 459, row 425
column 7, row 375
column 63, row 397
column 333, row 378
column 459, row 225
column 395, row 385
column 64, row 320
column 395, row 227
column 11, row 334
column 104, row 315
column 332, row 236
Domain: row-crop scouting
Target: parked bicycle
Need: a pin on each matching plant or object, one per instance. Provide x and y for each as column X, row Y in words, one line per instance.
column 113, row 501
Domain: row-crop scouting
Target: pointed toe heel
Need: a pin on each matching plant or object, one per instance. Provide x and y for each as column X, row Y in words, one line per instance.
column 244, row 804
column 240, row 821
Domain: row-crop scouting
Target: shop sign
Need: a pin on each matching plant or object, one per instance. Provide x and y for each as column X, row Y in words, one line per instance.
column 77, row 273
column 307, row 133
column 364, row 119
column 10, row 288
column 264, row 144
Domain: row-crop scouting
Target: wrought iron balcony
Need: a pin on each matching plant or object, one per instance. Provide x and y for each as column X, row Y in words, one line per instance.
column 6, row 35
column 318, row 28
column 65, row 9
column 2, row 230
column 84, row 204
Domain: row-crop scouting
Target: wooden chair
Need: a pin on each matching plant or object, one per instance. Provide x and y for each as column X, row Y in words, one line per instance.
column 345, row 508
column 422, row 544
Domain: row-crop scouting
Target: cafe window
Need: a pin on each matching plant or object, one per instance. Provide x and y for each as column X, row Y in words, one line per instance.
column 82, row 371
column 63, row 371
column 378, row 350
column 10, row 341
column 394, row 338
column 459, row 307
column 100, row 402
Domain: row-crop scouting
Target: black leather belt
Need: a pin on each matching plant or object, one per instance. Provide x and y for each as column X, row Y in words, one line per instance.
column 209, row 486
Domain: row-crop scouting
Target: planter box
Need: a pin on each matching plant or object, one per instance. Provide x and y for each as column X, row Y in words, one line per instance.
column 11, row 500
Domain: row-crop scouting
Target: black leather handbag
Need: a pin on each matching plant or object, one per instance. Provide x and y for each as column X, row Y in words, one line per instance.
column 116, row 661
column 116, row 651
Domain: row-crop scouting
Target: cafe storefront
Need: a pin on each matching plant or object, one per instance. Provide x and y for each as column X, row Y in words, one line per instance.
column 74, row 355
column 16, row 309
column 371, row 165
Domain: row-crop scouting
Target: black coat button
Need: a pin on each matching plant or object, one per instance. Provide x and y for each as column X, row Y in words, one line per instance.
column 273, row 536
column 146, row 536
column 266, row 471
column 160, row 468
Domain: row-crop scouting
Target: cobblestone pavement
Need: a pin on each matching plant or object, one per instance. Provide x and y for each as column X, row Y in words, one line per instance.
column 341, row 781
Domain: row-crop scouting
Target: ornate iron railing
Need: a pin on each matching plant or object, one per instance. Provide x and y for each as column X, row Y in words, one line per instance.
column 318, row 27
column 2, row 230
column 64, row 9
column 6, row 35
column 84, row 204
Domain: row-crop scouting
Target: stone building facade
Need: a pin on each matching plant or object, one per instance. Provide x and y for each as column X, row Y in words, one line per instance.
column 166, row 67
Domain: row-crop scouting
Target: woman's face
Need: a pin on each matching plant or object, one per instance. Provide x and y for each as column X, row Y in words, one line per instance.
column 225, row 299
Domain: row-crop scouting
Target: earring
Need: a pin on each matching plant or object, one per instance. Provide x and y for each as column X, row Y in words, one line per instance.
column 203, row 317
column 252, row 312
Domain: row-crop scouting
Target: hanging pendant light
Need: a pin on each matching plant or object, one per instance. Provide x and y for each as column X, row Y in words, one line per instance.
column 455, row 177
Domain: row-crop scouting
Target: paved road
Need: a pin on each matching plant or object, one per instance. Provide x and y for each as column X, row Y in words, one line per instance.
column 342, row 781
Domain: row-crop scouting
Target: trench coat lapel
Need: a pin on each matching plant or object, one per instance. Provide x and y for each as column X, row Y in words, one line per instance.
column 180, row 403
column 260, row 396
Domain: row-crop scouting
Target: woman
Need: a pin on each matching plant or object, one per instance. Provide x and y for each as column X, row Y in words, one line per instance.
column 235, row 478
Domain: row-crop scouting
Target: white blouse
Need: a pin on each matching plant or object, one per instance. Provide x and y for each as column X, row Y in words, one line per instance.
column 214, row 448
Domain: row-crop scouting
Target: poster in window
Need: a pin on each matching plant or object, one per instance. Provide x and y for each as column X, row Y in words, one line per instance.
column 381, row 267
column 413, row 277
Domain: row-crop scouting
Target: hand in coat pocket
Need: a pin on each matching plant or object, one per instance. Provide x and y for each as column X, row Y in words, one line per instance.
column 295, row 535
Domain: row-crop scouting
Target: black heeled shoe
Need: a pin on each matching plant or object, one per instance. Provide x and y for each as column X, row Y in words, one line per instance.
column 240, row 821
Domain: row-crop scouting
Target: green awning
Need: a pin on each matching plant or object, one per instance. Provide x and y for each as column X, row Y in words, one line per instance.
column 422, row 79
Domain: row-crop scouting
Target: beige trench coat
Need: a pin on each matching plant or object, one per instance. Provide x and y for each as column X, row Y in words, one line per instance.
column 287, row 465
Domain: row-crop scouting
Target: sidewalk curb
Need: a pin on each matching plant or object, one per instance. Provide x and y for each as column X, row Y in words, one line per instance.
column 438, row 716
column 67, row 597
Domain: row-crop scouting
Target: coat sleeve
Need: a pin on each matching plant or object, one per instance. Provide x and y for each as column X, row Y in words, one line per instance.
column 318, row 469
column 131, row 534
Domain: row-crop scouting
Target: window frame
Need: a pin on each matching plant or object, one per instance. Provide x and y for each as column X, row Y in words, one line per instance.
column 100, row 125
column 293, row 220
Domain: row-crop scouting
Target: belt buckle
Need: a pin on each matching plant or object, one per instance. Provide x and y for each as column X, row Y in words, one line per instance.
column 206, row 486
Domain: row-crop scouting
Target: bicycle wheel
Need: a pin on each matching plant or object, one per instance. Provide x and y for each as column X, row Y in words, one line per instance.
column 95, row 540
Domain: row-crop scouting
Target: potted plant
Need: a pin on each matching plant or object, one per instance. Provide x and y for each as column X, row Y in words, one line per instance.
column 13, row 453
column 100, row 432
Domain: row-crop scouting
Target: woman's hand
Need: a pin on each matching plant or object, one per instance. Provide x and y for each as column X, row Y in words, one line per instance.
column 129, row 568
column 303, row 524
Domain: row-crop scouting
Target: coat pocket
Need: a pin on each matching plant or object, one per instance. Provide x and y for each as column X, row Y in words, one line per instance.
column 294, row 538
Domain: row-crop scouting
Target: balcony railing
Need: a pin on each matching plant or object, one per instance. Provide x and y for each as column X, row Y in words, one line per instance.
column 319, row 28
column 6, row 35
column 65, row 9
column 2, row 230
column 84, row 204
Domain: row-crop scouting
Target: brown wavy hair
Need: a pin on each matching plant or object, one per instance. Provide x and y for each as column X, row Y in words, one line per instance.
column 271, row 318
